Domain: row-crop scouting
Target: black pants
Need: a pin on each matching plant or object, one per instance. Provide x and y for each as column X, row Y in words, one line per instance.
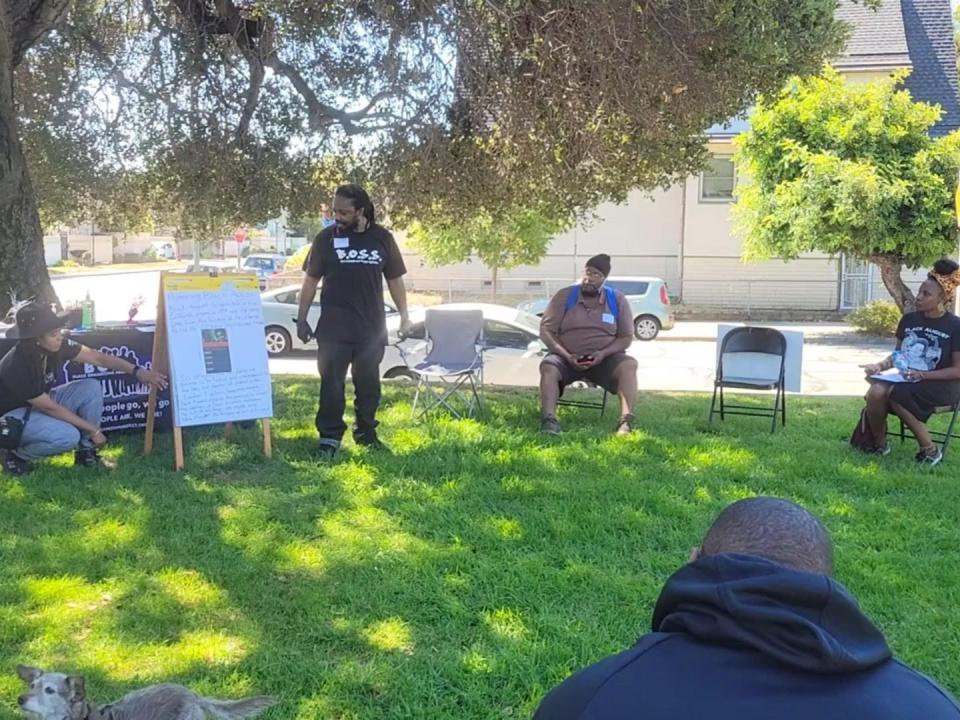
column 332, row 361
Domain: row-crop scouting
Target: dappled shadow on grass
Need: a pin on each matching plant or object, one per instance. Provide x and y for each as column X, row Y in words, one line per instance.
column 460, row 576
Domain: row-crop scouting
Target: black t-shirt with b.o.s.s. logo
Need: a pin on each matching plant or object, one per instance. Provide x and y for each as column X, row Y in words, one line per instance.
column 352, row 266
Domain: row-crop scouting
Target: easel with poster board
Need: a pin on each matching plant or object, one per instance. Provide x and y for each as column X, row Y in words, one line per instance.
column 209, row 343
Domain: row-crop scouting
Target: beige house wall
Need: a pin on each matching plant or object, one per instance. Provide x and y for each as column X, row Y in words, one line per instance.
column 674, row 235
column 641, row 235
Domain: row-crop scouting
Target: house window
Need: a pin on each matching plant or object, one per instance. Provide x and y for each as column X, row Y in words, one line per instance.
column 717, row 180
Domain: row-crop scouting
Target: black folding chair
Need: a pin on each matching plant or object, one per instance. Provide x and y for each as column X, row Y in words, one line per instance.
column 762, row 346
column 600, row 405
column 938, row 436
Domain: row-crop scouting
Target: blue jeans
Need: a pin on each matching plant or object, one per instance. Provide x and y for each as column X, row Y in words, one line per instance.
column 45, row 436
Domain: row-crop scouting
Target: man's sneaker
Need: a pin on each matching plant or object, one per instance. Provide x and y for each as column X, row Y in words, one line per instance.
column 549, row 426
column 881, row 451
column 326, row 451
column 930, row 457
column 91, row 458
column 15, row 465
column 625, row 426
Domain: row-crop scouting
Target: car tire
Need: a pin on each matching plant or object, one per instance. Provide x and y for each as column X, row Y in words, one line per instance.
column 401, row 373
column 278, row 341
column 646, row 328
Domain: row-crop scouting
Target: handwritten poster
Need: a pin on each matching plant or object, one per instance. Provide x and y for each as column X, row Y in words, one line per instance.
column 218, row 361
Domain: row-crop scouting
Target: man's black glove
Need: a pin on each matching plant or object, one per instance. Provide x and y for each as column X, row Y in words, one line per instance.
column 304, row 332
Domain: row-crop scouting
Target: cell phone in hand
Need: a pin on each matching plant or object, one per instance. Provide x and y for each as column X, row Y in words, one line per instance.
column 584, row 359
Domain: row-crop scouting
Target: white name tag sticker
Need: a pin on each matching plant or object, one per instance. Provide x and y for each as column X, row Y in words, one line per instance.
column 339, row 243
column 608, row 318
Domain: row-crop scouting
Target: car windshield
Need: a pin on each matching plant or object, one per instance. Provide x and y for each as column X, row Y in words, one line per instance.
column 629, row 287
column 528, row 321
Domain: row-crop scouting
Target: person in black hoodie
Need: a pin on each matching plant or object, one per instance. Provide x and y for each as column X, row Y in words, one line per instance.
column 754, row 628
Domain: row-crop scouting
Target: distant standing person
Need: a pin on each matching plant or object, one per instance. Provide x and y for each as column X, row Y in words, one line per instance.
column 351, row 257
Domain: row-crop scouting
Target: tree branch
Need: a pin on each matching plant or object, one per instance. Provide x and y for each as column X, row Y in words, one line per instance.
column 122, row 80
column 31, row 20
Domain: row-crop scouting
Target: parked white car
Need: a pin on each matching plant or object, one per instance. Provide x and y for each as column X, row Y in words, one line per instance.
column 511, row 337
column 280, row 308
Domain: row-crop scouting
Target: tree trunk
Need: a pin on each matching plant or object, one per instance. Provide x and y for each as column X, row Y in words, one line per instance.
column 23, row 269
column 890, row 266
column 494, row 271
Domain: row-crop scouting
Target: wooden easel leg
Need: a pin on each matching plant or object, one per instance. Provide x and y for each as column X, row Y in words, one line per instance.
column 151, row 411
column 267, row 442
column 160, row 363
column 178, row 448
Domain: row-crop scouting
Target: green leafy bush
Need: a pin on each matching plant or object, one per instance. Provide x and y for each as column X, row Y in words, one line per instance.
column 876, row 318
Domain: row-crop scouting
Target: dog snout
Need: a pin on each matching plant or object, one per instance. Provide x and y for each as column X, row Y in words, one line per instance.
column 22, row 700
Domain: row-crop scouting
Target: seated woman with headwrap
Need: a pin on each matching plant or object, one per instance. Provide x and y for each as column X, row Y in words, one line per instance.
column 928, row 340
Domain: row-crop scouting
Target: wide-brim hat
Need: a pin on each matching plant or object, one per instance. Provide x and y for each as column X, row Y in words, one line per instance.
column 34, row 320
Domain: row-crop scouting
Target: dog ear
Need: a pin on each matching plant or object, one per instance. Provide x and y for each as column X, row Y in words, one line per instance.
column 28, row 674
column 77, row 687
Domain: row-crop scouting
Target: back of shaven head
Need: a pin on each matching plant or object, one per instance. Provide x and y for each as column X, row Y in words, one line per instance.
column 775, row 529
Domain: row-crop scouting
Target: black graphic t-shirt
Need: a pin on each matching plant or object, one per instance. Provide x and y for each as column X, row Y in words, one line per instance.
column 929, row 343
column 352, row 267
column 25, row 375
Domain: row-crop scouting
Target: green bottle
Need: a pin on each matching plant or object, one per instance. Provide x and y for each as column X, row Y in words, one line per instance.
column 88, row 317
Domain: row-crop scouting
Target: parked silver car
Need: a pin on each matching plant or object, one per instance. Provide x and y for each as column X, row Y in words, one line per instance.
column 280, row 308
column 649, row 304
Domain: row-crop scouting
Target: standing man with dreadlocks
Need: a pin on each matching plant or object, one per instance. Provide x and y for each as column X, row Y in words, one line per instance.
column 351, row 257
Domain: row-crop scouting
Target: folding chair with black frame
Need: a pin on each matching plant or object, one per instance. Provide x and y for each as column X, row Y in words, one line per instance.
column 600, row 405
column 758, row 345
column 939, row 436
column 454, row 363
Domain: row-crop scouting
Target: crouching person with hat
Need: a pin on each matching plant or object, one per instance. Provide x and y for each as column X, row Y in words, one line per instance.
column 587, row 329
column 39, row 420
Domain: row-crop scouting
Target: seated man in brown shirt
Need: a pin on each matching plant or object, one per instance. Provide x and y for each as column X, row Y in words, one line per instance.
column 588, row 328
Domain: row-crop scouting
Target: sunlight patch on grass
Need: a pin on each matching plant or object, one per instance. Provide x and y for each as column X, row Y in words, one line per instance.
column 718, row 457
column 13, row 490
column 366, row 530
column 107, row 535
column 154, row 662
column 303, row 556
column 506, row 528
column 189, row 588
column 702, row 494
column 506, row 623
column 478, row 659
column 355, row 477
column 391, row 635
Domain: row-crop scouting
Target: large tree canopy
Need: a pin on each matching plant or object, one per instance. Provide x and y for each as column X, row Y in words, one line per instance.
column 452, row 107
column 847, row 168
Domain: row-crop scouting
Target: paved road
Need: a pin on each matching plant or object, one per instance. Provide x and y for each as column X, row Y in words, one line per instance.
column 113, row 293
column 682, row 359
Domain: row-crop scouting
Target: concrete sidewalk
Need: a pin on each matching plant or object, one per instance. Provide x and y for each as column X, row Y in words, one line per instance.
column 832, row 333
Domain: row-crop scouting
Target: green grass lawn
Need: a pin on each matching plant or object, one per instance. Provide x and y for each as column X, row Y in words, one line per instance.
column 459, row 578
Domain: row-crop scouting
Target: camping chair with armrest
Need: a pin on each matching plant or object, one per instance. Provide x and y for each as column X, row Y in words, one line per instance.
column 453, row 367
